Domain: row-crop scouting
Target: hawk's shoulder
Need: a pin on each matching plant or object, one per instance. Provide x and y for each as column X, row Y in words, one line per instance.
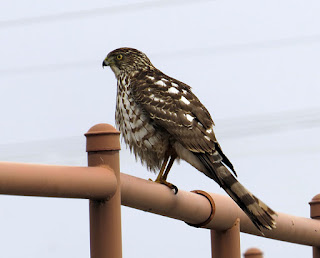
column 173, row 107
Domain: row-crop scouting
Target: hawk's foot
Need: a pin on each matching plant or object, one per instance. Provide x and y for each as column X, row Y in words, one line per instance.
column 171, row 186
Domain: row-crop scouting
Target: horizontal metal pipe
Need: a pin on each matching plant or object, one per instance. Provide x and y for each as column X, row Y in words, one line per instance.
column 100, row 183
column 56, row 181
column 289, row 228
column 159, row 199
column 193, row 208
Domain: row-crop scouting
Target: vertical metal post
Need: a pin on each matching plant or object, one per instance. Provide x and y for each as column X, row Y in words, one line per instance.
column 253, row 253
column 103, row 147
column 315, row 214
column 226, row 244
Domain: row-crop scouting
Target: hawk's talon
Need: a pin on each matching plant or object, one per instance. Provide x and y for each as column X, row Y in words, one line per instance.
column 175, row 189
column 164, row 182
column 171, row 186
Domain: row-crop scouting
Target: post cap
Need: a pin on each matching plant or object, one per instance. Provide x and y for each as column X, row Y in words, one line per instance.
column 315, row 207
column 253, row 253
column 102, row 137
column 102, row 129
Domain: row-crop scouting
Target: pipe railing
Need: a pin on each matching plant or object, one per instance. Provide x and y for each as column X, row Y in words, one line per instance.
column 100, row 182
column 57, row 181
column 194, row 208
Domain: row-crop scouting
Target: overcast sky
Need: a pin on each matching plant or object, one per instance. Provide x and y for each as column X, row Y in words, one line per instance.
column 254, row 64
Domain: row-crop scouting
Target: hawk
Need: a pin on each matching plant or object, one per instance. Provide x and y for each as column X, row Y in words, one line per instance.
column 161, row 121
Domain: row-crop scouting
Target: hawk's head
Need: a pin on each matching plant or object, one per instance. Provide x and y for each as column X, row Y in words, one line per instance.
column 127, row 60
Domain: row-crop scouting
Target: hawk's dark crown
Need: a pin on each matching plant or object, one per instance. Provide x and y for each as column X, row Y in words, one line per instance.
column 128, row 60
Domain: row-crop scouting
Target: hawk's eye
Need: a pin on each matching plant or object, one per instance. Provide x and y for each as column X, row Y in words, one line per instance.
column 119, row 57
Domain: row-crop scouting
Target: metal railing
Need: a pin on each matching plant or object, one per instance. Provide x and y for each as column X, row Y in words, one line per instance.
column 100, row 182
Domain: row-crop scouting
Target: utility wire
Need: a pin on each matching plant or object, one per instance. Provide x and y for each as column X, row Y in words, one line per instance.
column 253, row 125
column 231, row 128
column 269, row 123
column 247, row 46
column 111, row 10
column 185, row 53
column 51, row 67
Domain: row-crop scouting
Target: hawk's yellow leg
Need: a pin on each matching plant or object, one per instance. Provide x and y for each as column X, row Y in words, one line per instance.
column 163, row 166
column 162, row 176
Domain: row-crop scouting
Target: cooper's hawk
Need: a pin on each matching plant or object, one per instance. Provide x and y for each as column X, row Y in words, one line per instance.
column 161, row 119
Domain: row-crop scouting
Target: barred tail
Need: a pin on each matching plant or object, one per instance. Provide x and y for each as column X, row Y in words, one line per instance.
column 259, row 213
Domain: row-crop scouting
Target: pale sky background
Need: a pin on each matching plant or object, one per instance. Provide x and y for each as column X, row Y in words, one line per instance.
column 254, row 64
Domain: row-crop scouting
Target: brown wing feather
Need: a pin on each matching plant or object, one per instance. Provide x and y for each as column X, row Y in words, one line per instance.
column 186, row 120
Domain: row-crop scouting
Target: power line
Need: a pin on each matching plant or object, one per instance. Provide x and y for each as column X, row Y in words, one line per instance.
column 250, row 125
column 247, row 46
column 139, row 6
column 230, row 128
column 50, row 67
column 191, row 52
column 269, row 123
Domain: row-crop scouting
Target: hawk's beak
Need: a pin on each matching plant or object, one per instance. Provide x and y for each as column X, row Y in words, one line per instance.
column 105, row 63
